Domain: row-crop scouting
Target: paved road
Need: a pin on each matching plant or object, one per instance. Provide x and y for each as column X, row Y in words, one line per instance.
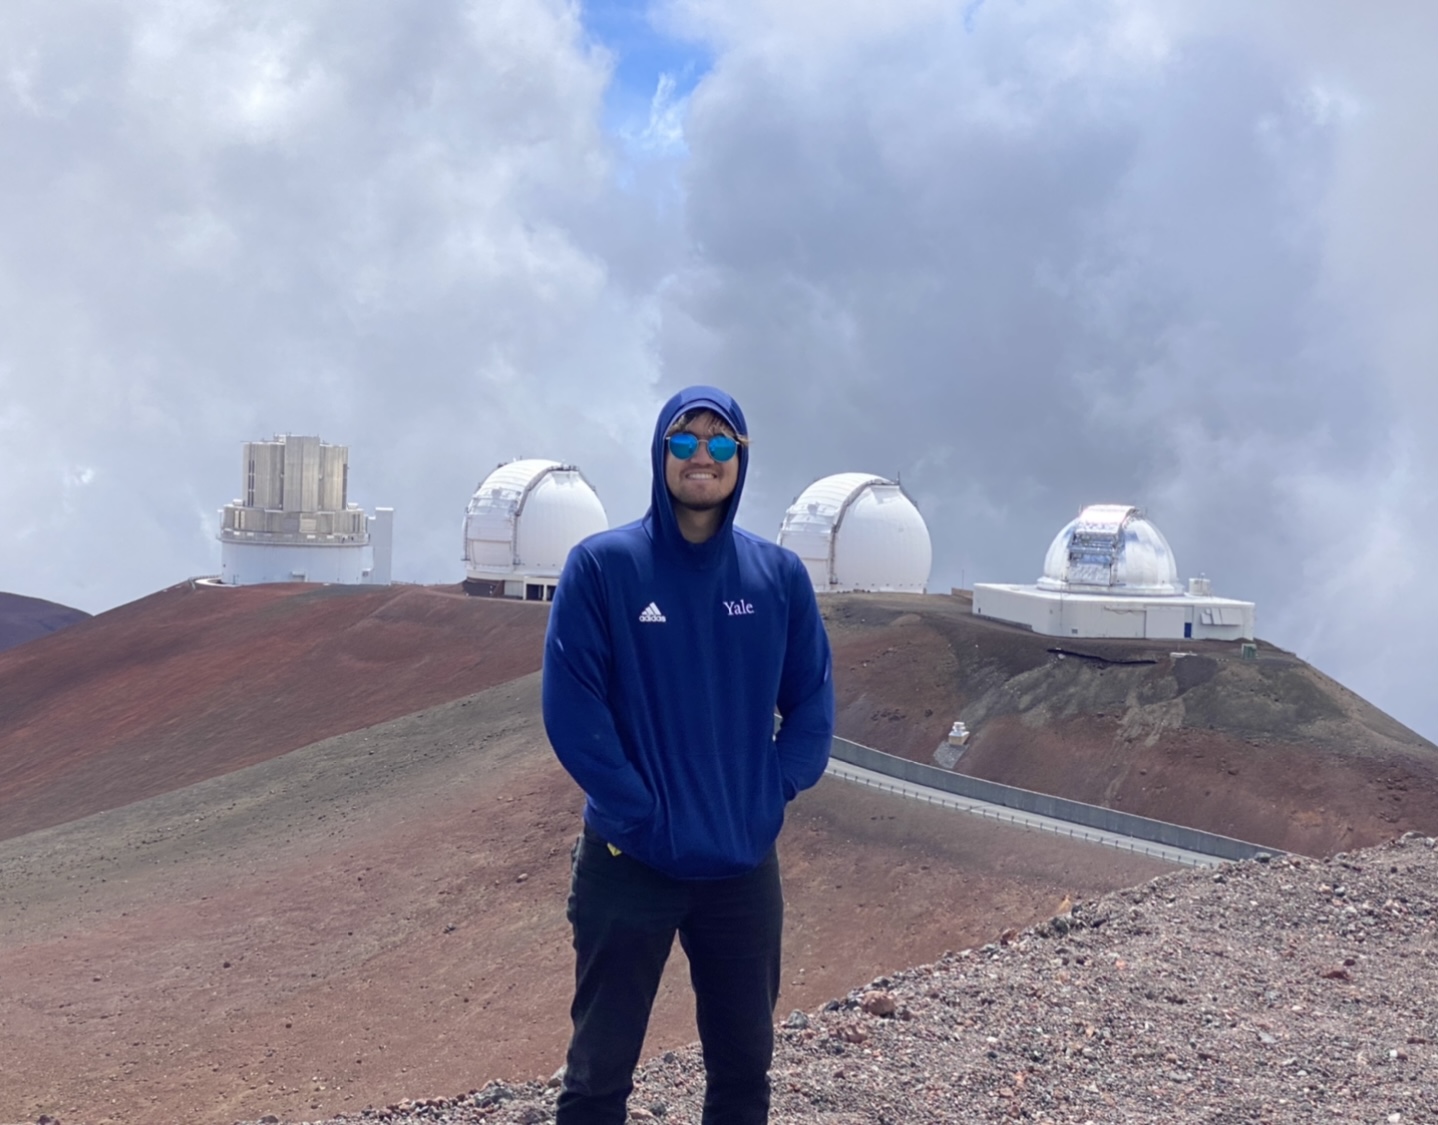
column 914, row 791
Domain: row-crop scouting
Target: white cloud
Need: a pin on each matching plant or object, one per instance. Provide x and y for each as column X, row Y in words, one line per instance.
column 663, row 133
column 1029, row 255
column 1053, row 254
column 390, row 227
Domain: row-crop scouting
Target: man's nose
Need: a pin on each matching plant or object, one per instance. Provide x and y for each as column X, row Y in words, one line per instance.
column 702, row 454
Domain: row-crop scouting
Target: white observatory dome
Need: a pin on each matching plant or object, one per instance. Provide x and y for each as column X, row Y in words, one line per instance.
column 1111, row 549
column 524, row 518
column 856, row 531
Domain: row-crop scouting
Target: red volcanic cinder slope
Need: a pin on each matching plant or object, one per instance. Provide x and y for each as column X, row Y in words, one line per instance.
column 197, row 680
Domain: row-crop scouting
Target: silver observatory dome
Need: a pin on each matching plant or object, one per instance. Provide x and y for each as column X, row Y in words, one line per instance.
column 1111, row 549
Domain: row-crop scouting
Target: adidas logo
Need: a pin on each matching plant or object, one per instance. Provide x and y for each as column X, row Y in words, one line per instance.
column 652, row 613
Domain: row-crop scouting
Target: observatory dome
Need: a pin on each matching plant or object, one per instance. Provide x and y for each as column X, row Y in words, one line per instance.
column 856, row 531
column 1111, row 549
column 524, row 518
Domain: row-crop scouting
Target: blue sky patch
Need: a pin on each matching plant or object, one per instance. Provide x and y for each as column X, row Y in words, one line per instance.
column 647, row 62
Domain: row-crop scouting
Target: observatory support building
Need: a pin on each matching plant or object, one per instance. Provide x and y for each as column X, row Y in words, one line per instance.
column 294, row 521
column 1111, row 573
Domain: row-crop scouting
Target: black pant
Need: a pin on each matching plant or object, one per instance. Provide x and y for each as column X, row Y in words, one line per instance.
column 625, row 916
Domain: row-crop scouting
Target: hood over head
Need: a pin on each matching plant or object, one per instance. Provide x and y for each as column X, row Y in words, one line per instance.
column 665, row 527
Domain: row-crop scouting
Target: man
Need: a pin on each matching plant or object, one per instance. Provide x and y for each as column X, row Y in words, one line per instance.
column 672, row 642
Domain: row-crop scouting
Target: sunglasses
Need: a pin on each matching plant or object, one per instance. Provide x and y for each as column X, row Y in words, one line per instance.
column 721, row 446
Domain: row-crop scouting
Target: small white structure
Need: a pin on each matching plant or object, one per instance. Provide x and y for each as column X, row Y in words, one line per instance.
column 952, row 748
column 381, row 539
column 856, row 531
column 520, row 525
column 1111, row 573
column 295, row 523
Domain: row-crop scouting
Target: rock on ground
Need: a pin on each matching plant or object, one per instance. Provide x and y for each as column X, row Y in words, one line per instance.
column 1292, row 990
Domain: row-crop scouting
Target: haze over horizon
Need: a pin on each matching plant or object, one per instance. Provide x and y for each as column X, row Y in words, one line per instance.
column 1026, row 256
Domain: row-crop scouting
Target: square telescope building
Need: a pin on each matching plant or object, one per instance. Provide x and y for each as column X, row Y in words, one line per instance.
column 294, row 521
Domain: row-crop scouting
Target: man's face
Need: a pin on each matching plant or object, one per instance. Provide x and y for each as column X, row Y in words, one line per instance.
column 701, row 483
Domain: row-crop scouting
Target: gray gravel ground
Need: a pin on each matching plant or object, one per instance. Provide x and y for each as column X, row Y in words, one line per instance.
column 1293, row 990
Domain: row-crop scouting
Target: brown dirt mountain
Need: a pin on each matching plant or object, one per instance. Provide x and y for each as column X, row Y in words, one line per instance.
column 1268, row 750
column 23, row 619
column 290, row 909
column 198, row 680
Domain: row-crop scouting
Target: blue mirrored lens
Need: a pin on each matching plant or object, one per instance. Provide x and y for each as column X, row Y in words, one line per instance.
column 722, row 447
column 683, row 446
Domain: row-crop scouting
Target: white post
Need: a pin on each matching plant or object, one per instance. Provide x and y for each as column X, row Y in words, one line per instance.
column 381, row 538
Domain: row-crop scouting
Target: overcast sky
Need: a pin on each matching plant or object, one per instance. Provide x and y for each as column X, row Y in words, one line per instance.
column 1028, row 256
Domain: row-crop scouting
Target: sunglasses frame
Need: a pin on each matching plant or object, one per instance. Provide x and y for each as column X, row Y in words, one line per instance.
column 698, row 441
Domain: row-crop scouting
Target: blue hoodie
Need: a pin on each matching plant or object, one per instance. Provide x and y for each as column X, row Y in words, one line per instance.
column 664, row 663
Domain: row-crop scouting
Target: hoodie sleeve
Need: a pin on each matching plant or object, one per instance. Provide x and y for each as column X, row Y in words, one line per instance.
column 806, row 690
column 577, row 716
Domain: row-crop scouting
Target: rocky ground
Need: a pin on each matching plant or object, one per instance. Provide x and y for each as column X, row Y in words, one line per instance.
column 1291, row 991
column 383, row 913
